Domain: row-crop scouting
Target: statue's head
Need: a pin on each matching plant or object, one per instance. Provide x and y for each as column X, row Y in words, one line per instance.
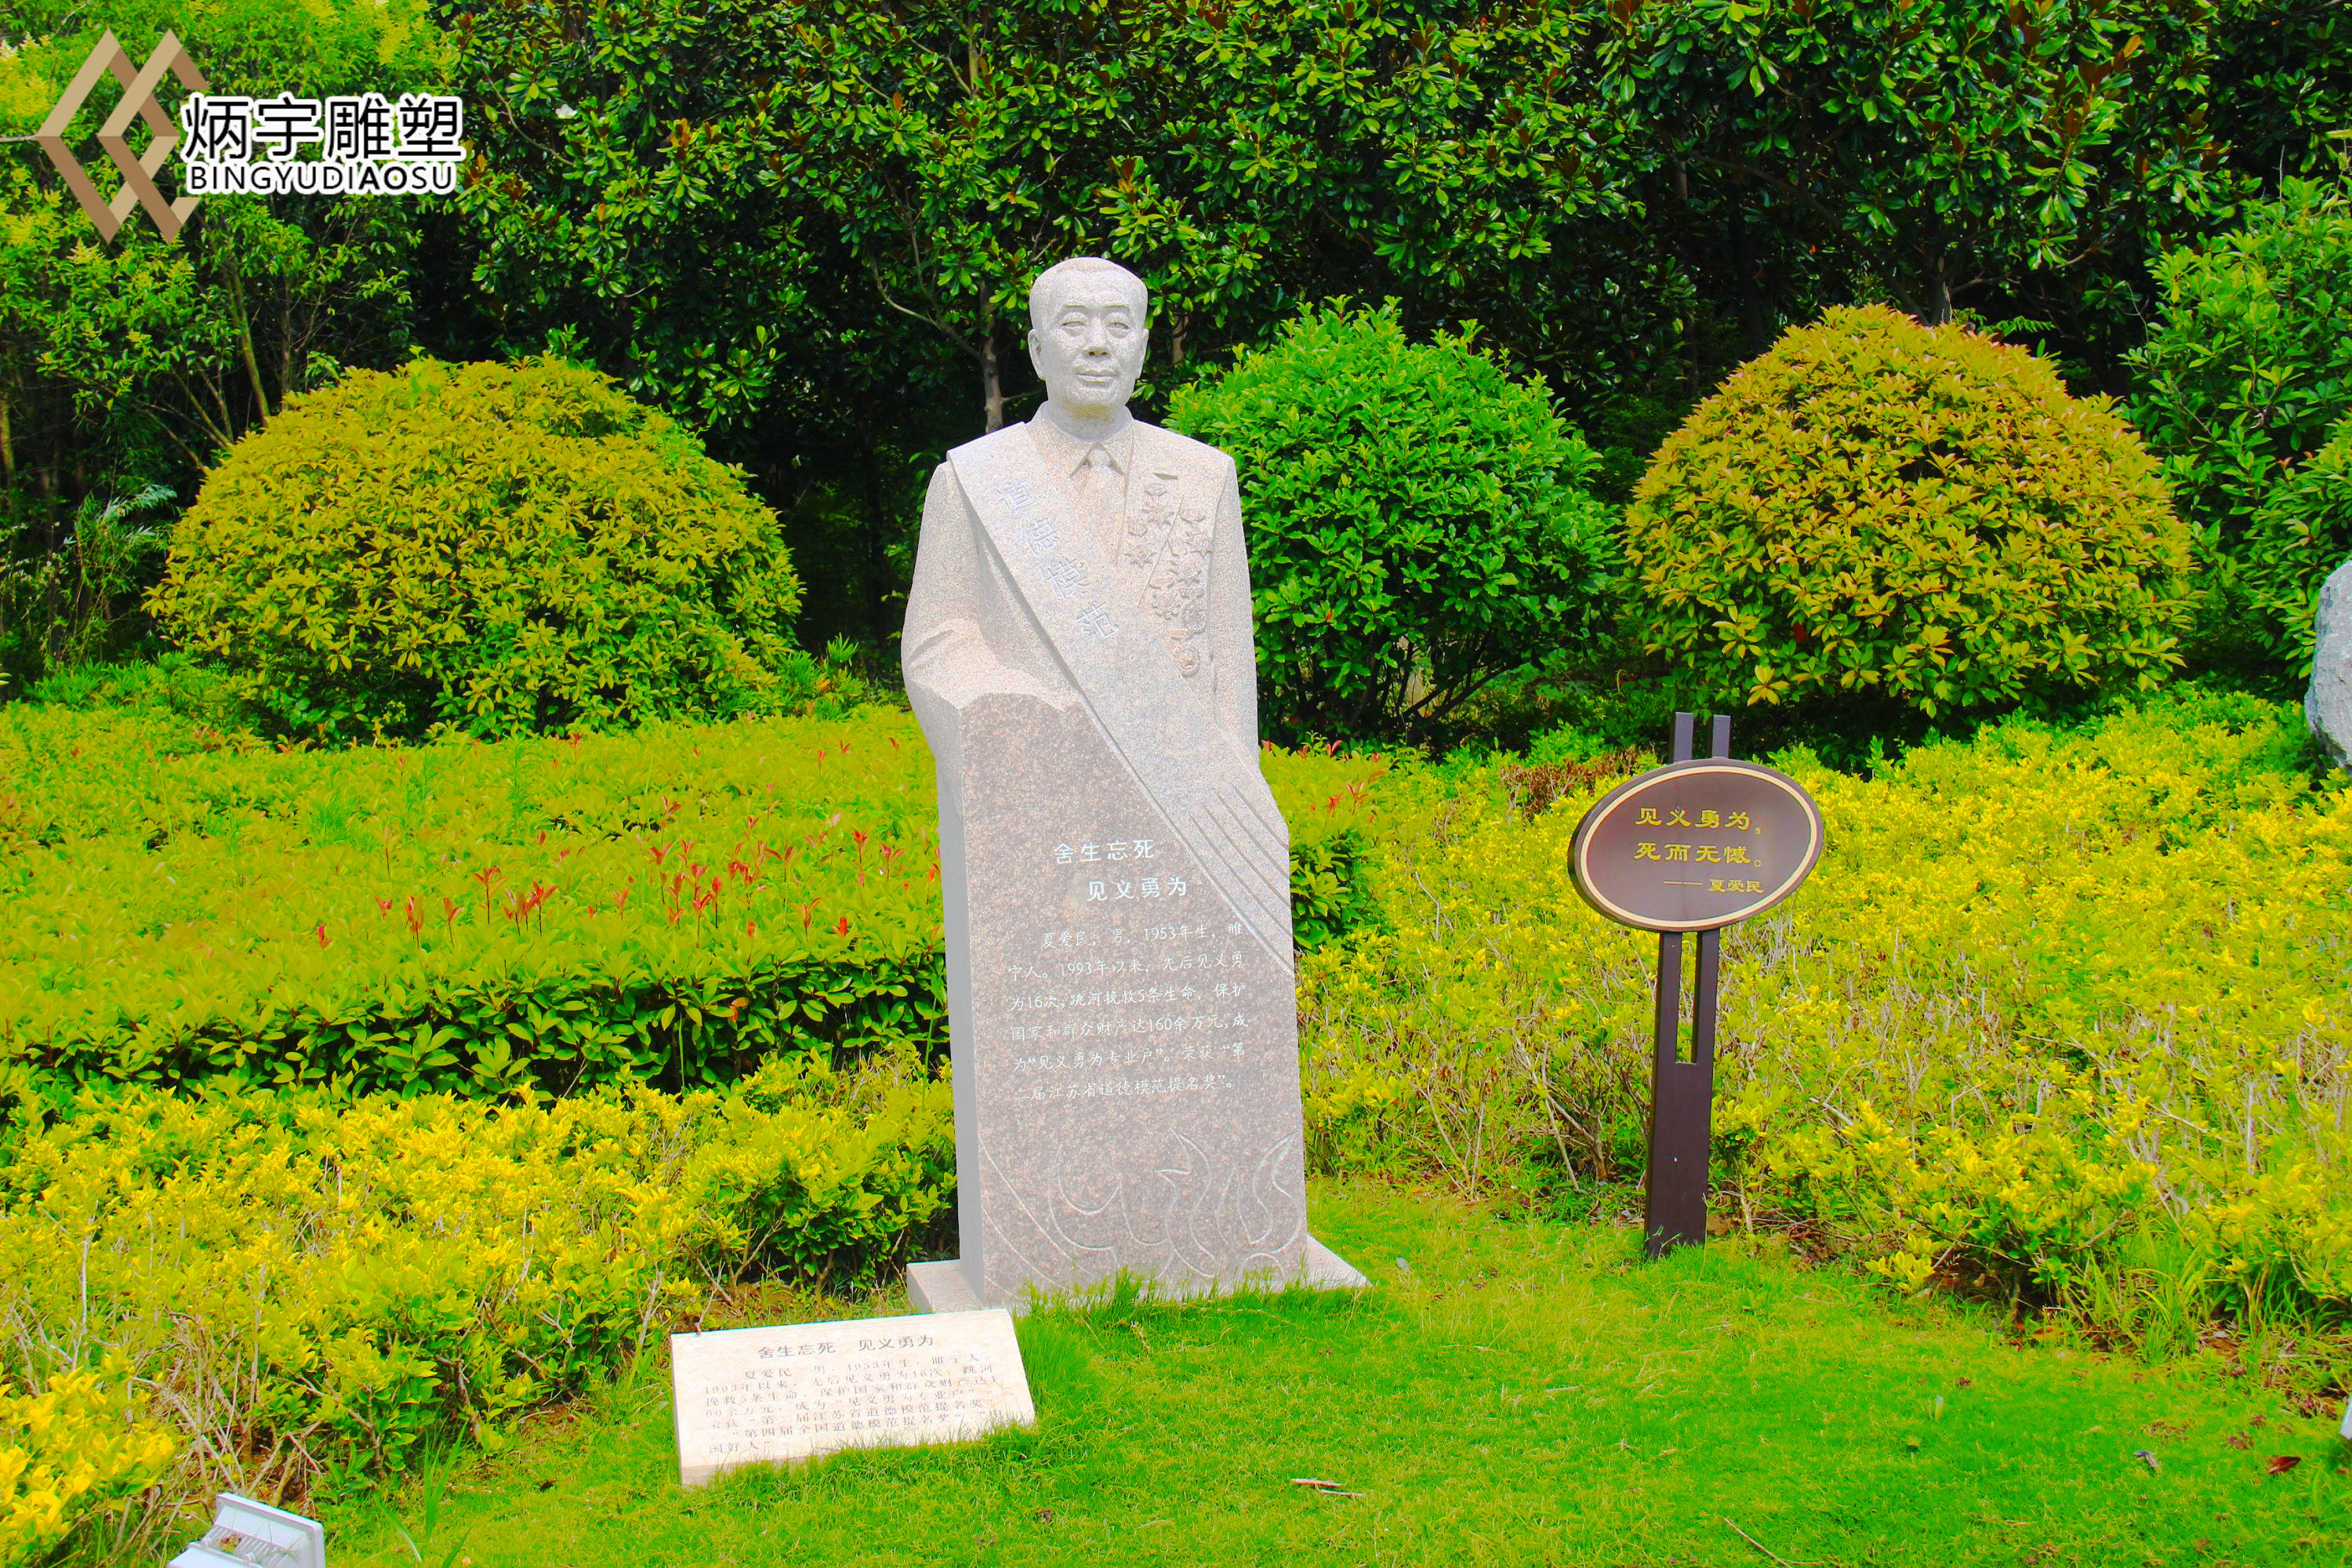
column 1086, row 333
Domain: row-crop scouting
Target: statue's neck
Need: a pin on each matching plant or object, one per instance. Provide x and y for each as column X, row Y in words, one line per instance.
column 1086, row 425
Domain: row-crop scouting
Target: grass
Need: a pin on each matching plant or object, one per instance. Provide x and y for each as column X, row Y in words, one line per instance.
column 1507, row 1393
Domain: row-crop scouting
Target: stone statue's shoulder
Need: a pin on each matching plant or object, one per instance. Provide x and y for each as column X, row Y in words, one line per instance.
column 1171, row 449
column 1004, row 435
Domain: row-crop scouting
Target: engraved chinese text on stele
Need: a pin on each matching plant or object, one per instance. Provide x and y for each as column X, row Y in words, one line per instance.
column 1121, row 988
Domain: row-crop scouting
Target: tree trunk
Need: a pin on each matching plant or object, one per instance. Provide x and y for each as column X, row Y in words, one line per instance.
column 1755, row 318
column 877, row 549
column 1939, row 294
column 245, row 340
column 991, row 378
column 7, row 447
column 1694, row 370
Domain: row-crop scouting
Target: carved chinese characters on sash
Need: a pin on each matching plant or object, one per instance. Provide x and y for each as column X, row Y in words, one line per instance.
column 1167, row 542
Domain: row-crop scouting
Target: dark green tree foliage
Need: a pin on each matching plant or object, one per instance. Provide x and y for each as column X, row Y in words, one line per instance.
column 497, row 548
column 2015, row 158
column 2282, row 85
column 2249, row 364
column 958, row 150
column 810, row 228
column 624, row 201
column 805, row 229
column 1451, row 153
column 1243, row 157
column 628, row 205
column 2302, row 532
column 687, row 177
column 1420, row 522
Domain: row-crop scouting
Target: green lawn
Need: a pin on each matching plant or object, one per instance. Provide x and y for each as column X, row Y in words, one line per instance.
column 1505, row 1393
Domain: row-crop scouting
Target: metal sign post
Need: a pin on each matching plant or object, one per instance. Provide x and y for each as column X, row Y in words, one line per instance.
column 1682, row 1093
column 1694, row 846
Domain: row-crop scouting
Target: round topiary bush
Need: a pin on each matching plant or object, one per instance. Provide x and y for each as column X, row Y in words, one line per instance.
column 498, row 547
column 2302, row 532
column 1875, row 506
column 1419, row 522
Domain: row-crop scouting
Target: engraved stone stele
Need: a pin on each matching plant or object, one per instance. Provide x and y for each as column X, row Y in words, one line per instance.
column 2328, row 700
column 1122, row 996
column 749, row 1396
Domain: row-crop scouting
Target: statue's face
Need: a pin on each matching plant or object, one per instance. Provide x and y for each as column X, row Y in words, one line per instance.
column 1090, row 350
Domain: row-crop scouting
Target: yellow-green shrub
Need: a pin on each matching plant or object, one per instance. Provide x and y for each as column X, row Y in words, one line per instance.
column 2045, row 989
column 311, row 1286
column 1873, row 506
column 69, row 1453
column 498, row 547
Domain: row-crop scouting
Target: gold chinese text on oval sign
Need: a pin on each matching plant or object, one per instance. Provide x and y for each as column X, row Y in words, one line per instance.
column 1697, row 845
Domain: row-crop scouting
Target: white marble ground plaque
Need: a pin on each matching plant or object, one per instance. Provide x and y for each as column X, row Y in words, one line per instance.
column 749, row 1396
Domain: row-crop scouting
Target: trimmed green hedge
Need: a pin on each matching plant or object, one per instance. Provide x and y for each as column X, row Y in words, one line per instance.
column 527, row 917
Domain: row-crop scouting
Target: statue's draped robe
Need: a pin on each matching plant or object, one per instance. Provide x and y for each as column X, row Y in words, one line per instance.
column 1116, row 875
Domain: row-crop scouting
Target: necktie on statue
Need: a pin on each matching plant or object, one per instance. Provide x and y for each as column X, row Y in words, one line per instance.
column 1101, row 494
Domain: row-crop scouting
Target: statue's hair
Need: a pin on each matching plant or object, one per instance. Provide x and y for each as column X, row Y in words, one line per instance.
column 1046, row 289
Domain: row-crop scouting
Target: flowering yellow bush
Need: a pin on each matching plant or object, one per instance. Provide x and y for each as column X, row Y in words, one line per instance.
column 312, row 1285
column 69, row 1452
column 2046, row 989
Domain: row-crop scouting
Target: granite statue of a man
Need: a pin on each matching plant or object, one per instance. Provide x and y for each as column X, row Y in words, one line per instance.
column 1121, row 992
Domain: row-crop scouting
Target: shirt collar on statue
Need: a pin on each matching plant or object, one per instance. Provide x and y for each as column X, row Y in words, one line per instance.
column 1067, row 452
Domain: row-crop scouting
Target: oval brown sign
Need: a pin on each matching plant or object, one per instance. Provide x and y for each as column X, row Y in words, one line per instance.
column 1696, row 844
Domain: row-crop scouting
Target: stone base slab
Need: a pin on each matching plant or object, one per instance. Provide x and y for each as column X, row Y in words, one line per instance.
column 943, row 1286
